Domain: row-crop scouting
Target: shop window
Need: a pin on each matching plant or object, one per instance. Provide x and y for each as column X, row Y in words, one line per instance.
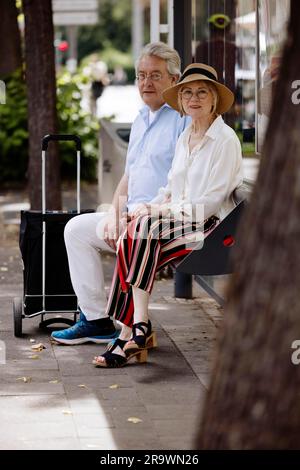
column 224, row 36
column 242, row 40
column 272, row 18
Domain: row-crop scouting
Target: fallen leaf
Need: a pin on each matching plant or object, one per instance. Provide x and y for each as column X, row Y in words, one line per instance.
column 53, row 381
column 3, row 268
column 114, row 386
column 34, row 356
column 67, row 412
column 32, row 340
column 38, row 347
column 25, row 379
column 134, row 420
column 82, row 386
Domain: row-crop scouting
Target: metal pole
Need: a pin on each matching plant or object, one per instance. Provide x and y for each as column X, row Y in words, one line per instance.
column 44, row 228
column 78, row 181
column 183, row 285
column 171, row 23
column 154, row 20
column 72, row 52
column 137, row 28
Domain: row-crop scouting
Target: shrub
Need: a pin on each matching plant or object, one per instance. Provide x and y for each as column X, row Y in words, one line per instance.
column 13, row 130
column 72, row 120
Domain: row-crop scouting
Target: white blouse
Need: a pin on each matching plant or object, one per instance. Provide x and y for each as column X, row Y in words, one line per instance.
column 206, row 177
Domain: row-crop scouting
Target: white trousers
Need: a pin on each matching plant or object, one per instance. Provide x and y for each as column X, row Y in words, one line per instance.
column 84, row 248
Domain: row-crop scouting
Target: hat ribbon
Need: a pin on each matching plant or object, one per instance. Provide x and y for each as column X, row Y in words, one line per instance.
column 194, row 70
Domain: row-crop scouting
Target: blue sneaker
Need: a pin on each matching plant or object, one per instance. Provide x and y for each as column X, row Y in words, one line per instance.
column 85, row 332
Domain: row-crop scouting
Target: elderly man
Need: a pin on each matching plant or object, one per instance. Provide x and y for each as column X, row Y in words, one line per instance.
column 153, row 137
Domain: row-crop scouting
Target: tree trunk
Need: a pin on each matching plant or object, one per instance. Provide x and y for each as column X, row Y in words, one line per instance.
column 41, row 90
column 10, row 41
column 253, row 401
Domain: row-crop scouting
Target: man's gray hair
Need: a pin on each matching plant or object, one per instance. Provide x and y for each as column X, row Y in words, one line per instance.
column 163, row 51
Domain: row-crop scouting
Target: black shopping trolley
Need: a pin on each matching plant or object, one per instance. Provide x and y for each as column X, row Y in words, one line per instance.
column 47, row 287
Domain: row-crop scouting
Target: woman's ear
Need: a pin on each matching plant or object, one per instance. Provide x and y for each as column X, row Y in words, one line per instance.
column 174, row 79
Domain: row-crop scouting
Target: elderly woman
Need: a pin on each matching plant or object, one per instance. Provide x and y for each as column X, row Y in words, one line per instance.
column 206, row 169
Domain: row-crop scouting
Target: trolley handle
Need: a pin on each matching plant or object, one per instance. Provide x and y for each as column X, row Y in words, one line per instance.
column 61, row 137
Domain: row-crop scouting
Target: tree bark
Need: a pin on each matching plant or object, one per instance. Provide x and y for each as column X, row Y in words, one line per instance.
column 10, row 40
column 41, row 91
column 253, row 401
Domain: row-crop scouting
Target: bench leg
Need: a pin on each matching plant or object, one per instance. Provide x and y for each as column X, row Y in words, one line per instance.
column 183, row 285
column 207, row 283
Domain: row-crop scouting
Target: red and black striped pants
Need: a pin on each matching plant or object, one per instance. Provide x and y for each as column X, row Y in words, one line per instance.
column 146, row 246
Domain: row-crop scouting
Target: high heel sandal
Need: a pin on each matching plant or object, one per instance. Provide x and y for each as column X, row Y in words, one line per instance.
column 141, row 342
column 151, row 339
column 113, row 360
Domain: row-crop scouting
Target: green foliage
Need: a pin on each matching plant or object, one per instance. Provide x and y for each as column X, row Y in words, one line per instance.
column 72, row 120
column 112, row 31
column 13, row 130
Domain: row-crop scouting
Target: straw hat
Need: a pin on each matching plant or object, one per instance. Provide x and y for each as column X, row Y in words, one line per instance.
column 192, row 73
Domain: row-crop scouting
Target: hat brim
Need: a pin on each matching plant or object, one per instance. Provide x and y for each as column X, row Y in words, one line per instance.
column 226, row 97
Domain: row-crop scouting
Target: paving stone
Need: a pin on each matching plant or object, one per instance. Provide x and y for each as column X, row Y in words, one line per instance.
column 100, row 381
column 40, row 444
column 170, row 412
column 33, row 409
column 177, row 443
column 31, row 388
column 106, row 442
column 64, row 415
column 42, row 430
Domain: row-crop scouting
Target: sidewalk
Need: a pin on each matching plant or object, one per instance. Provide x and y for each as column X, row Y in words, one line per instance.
column 56, row 399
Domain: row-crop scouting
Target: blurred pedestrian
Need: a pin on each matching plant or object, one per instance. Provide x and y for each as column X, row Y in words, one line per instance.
column 99, row 79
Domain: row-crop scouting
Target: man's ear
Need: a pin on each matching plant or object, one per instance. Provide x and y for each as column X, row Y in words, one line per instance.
column 174, row 79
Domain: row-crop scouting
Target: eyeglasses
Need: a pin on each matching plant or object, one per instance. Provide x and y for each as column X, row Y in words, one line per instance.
column 154, row 76
column 200, row 94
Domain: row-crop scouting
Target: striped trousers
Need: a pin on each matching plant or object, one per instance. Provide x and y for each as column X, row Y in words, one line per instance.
column 146, row 246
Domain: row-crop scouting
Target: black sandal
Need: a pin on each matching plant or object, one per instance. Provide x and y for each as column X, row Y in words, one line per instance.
column 113, row 360
column 141, row 342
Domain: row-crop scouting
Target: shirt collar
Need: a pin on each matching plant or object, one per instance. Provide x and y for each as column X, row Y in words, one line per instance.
column 144, row 111
column 214, row 130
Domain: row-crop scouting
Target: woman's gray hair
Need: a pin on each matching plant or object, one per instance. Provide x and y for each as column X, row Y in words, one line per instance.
column 212, row 88
column 163, row 51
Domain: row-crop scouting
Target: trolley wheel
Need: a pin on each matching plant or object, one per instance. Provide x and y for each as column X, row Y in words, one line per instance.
column 18, row 316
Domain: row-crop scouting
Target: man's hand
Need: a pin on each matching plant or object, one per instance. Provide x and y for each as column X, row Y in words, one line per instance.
column 111, row 232
column 113, row 228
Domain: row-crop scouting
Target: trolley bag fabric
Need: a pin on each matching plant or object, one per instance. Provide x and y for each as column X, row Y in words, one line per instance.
column 59, row 293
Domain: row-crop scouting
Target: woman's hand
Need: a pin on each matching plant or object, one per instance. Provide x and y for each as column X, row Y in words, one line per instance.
column 140, row 210
column 154, row 210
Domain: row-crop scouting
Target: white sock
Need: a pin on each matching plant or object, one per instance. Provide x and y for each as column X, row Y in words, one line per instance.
column 125, row 333
column 141, row 302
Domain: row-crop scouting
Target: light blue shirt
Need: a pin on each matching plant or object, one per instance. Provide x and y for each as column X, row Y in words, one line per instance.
column 150, row 152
